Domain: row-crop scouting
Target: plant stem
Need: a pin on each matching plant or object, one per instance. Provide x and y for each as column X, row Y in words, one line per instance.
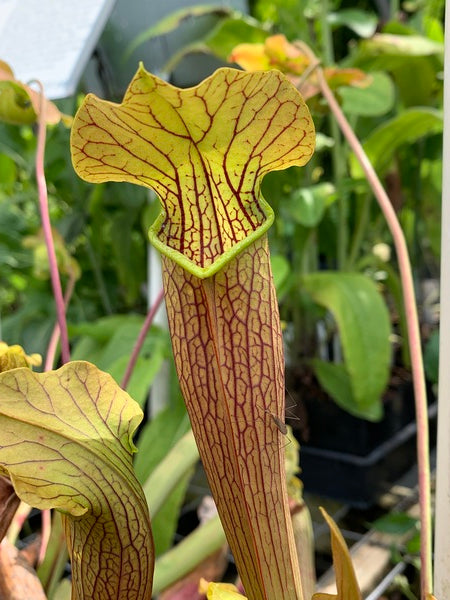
column 53, row 343
column 140, row 340
column 413, row 335
column 47, row 229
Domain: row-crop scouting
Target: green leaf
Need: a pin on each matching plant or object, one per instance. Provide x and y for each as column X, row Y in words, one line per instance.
column 406, row 128
column 157, row 438
column 165, row 522
column 191, row 551
column 144, row 372
column 307, row 205
column 397, row 523
column 173, row 21
column 336, row 381
column 401, row 45
column 374, row 100
column 8, row 171
column 280, row 269
column 364, row 328
column 66, row 443
column 235, row 30
column 363, row 23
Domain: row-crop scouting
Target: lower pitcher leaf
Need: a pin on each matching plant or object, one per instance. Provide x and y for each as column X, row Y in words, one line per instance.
column 66, row 443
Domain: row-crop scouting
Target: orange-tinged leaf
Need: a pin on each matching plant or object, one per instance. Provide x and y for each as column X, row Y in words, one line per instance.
column 275, row 53
column 251, row 57
column 346, row 583
column 66, row 443
column 204, row 151
column 293, row 59
column 339, row 77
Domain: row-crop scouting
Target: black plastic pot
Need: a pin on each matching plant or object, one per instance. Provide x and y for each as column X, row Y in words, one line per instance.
column 358, row 480
column 354, row 460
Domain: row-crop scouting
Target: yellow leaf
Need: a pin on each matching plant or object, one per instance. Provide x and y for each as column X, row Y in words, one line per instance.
column 66, row 443
column 12, row 357
column 346, row 583
column 220, row 591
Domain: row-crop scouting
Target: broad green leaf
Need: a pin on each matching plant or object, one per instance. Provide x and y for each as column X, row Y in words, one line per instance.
column 280, row 269
column 346, row 582
column 336, row 381
column 8, row 171
column 109, row 341
column 307, row 205
column 373, row 100
column 234, row 127
column 401, row 45
column 406, row 128
column 221, row 40
column 174, row 20
column 232, row 31
column 397, row 523
column 411, row 70
column 157, row 438
column 63, row 591
column 66, row 443
column 164, row 465
column 360, row 21
column 181, row 559
column 144, row 372
column 364, row 328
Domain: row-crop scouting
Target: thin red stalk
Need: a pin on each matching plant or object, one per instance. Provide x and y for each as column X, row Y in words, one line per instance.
column 140, row 340
column 53, row 343
column 46, row 226
column 413, row 335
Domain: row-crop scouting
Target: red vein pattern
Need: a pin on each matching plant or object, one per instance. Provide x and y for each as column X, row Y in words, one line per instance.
column 65, row 442
column 228, row 349
column 204, row 151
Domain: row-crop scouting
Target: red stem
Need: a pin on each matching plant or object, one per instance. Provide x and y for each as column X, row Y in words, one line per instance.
column 53, row 343
column 46, row 226
column 140, row 340
column 413, row 335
